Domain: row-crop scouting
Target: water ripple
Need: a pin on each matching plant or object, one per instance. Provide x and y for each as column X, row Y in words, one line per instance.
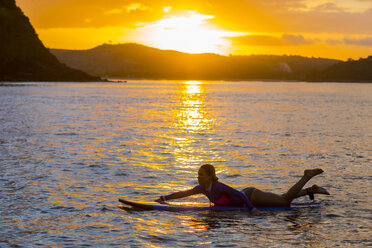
column 68, row 151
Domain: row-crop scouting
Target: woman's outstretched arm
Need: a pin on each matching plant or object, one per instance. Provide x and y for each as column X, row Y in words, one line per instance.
column 181, row 194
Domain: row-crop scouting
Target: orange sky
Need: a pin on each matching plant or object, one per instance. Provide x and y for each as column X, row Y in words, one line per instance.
column 339, row 29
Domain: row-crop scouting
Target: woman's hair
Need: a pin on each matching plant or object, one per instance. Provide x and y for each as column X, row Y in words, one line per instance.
column 209, row 169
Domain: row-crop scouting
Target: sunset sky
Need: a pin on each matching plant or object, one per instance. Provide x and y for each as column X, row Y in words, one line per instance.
column 339, row 29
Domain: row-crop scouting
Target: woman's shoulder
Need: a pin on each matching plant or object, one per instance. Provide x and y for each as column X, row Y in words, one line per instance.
column 220, row 184
column 198, row 189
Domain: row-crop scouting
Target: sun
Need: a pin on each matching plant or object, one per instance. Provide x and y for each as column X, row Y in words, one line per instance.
column 186, row 33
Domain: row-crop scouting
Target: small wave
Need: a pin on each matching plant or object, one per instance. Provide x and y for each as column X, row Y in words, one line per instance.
column 233, row 176
column 66, row 134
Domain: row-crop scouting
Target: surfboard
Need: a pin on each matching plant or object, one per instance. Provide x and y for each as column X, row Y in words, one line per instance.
column 178, row 208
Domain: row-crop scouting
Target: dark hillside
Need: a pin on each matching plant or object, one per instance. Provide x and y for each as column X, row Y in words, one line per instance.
column 138, row 61
column 23, row 57
column 349, row 71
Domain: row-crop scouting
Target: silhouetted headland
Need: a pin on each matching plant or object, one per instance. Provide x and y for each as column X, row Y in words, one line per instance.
column 349, row 71
column 23, row 56
column 135, row 61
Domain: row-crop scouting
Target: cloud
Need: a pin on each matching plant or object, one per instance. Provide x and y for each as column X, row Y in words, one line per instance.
column 128, row 8
column 257, row 40
column 327, row 22
column 367, row 41
column 102, row 14
column 137, row 7
column 114, row 11
column 283, row 4
column 284, row 16
column 295, row 39
column 334, row 42
column 293, row 16
column 328, row 7
column 268, row 40
column 167, row 9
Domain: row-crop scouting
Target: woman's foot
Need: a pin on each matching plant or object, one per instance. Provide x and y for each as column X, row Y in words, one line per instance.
column 319, row 190
column 312, row 173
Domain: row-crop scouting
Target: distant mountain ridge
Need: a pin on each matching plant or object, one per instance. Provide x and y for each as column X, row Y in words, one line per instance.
column 141, row 62
column 23, row 57
column 349, row 71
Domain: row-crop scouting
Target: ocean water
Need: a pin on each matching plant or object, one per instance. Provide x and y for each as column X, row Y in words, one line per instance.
column 69, row 151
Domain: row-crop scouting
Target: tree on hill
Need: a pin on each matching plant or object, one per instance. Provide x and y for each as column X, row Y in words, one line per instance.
column 349, row 71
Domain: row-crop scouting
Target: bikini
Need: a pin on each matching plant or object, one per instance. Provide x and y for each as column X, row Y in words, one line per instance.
column 218, row 193
column 248, row 192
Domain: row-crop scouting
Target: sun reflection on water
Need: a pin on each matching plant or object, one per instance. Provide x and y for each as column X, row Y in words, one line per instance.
column 193, row 114
column 71, row 151
column 194, row 120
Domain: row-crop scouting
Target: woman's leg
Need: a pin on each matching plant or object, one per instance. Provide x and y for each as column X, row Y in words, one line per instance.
column 295, row 189
column 315, row 189
column 261, row 198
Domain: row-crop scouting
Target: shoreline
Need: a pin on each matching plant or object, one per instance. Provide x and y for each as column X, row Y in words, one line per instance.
column 125, row 81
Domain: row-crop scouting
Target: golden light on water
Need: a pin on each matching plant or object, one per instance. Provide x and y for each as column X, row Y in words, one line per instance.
column 193, row 115
column 192, row 118
column 193, row 87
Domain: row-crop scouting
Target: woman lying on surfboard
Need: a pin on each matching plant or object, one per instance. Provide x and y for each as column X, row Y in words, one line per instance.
column 222, row 195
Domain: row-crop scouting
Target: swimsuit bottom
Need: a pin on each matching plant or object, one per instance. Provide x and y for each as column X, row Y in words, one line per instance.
column 248, row 192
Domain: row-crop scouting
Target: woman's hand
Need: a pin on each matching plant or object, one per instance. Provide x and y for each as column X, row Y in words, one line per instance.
column 160, row 200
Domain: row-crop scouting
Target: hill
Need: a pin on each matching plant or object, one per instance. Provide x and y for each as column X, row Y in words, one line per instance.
column 349, row 71
column 141, row 62
column 23, row 57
